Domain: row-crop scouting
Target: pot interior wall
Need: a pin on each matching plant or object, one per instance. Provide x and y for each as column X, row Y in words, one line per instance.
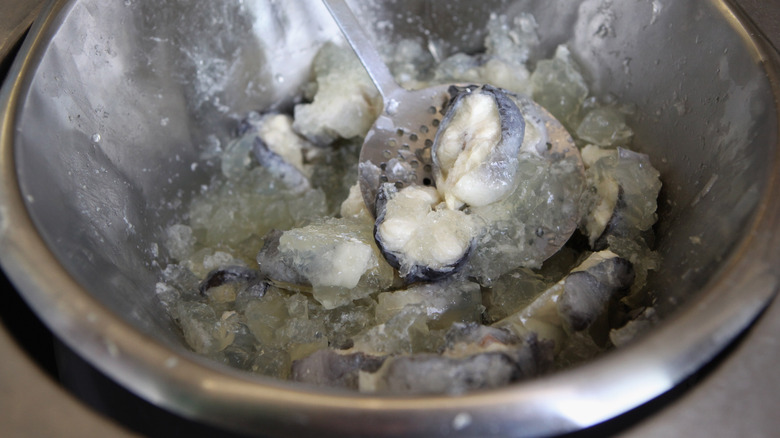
column 131, row 100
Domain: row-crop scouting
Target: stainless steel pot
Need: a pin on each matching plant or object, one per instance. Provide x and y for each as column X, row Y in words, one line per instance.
column 106, row 132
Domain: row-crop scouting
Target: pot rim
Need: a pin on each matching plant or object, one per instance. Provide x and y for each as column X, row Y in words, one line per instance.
column 565, row 401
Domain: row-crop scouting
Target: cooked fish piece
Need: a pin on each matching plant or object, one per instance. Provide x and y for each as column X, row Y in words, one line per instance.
column 476, row 357
column 475, row 152
column 621, row 193
column 334, row 259
column 419, row 235
column 576, row 302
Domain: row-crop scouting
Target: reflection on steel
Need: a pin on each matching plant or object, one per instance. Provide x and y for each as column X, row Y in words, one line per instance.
column 78, row 217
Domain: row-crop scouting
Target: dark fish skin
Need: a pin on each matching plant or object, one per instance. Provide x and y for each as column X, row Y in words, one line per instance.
column 247, row 124
column 272, row 264
column 330, row 368
column 427, row 373
column 432, row 374
column 231, row 274
column 533, row 356
column 289, row 174
column 587, row 293
column 473, row 333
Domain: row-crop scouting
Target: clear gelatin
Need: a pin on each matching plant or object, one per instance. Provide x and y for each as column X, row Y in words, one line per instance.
column 231, row 211
column 513, row 291
column 605, row 126
column 445, row 302
column 405, row 332
column 561, row 74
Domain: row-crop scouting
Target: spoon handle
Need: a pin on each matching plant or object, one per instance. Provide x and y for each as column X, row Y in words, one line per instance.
column 366, row 52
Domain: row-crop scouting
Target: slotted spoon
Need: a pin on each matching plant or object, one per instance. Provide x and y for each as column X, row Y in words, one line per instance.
column 397, row 148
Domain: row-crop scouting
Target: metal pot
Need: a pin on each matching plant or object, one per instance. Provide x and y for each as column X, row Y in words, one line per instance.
column 114, row 105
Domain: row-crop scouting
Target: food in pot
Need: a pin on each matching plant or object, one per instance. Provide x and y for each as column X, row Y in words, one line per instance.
column 281, row 270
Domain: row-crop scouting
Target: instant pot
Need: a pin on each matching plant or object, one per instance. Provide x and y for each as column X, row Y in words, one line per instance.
column 106, row 361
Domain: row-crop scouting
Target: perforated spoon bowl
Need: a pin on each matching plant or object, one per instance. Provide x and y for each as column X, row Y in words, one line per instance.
column 397, row 148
